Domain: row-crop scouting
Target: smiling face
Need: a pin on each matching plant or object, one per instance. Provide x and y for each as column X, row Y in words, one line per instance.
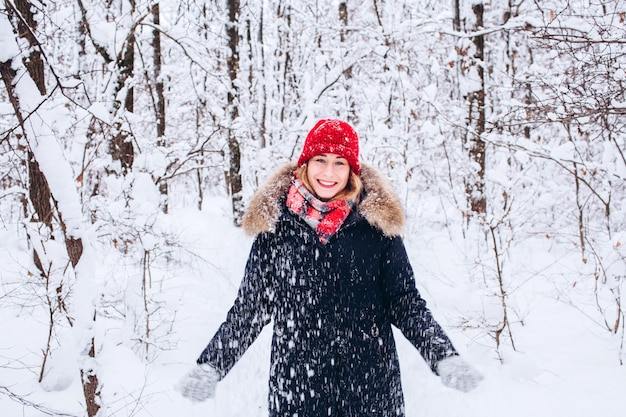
column 328, row 175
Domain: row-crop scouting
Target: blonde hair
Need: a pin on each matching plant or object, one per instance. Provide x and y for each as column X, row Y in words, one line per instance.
column 351, row 192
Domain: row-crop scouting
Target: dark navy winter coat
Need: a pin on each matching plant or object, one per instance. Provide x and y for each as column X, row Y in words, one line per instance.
column 332, row 306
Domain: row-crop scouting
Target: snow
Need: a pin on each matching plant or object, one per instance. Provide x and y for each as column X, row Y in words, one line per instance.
column 48, row 152
column 556, row 369
column 178, row 274
column 8, row 46
column 100, row 111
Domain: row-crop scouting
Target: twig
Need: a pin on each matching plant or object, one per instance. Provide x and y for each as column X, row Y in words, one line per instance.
column 19, row 399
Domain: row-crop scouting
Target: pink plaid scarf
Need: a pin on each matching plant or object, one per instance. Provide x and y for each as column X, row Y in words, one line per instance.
column 324, row 217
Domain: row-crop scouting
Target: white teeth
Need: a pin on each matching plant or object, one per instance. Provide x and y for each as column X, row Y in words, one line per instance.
column 326, row 183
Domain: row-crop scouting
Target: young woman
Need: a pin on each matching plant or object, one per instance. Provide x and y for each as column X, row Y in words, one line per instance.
column 329, row 269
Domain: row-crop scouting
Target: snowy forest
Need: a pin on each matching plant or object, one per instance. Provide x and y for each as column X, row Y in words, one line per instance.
column 134, row 132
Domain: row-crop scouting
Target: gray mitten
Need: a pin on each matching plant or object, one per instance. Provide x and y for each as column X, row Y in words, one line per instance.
column 456, row 373
column 199, row 384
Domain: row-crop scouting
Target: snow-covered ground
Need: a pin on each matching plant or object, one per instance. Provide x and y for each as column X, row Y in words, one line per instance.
column 564, row 364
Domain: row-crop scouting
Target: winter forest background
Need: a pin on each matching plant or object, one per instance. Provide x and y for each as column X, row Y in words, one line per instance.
column 133, row 133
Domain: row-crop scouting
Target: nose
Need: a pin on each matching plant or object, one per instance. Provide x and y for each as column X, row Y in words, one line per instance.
column 329, row 170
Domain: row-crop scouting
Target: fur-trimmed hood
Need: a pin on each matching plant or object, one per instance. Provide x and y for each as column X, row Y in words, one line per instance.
column 380, row 206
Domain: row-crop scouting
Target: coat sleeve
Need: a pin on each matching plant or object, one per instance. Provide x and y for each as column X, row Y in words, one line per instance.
column 408, row 309
column 250, row 312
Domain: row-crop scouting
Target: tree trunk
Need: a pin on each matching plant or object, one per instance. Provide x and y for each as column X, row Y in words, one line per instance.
column 343, row 34
column 456, row 18
column 40, row 194
column 284, row 54
column 122, row 148
column 39, row 191
column 234, row 171
column 160, row 99
column 343, row 18
column 90, row 384
column 476, row 121
column 27, row 26
column 263, row 126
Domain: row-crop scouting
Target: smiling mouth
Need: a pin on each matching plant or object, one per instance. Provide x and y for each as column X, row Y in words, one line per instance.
column 326, row 184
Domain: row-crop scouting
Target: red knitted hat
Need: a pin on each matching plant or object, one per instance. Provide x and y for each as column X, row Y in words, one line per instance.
column 332, row 136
